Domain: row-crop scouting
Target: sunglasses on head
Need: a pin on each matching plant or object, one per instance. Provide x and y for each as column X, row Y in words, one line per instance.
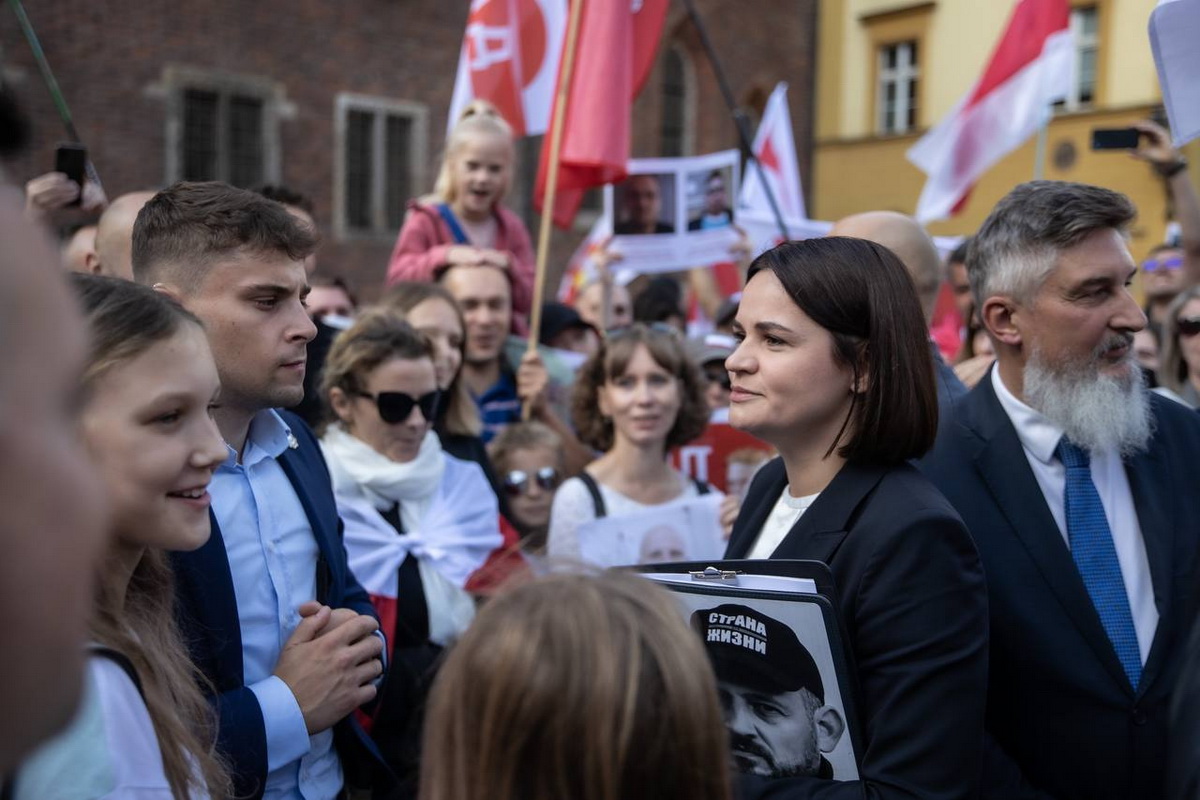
column 516, row 480
column 395, row 407
column 1188, row 326
column 1155, row 264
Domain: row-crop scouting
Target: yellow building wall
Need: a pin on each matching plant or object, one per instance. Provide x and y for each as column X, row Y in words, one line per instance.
column 855, row 170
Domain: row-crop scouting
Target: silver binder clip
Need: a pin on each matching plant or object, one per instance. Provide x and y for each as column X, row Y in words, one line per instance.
column 713, row 574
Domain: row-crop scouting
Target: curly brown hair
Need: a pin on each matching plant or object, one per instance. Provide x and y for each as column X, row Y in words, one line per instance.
column 611, row 361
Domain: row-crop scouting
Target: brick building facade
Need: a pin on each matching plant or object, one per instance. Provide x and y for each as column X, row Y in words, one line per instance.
column 346, row 101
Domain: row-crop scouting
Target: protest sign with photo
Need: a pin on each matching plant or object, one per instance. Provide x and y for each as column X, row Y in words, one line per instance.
column 723, row 456
column 679, row 531
column 781, row 670
column 674, row 213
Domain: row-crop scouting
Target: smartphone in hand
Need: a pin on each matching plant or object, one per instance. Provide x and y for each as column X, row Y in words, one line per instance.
column 70, row 158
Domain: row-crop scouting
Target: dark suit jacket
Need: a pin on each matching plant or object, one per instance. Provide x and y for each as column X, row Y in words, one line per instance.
column 1060, row 708
column 208, row 615
column 911, row 591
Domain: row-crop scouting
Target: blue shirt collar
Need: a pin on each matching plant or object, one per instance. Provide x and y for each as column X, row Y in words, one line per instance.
column 268, row 437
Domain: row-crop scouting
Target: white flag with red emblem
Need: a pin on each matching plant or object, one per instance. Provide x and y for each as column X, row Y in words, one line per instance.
column 1033, row 66
column 509, row 57
column 775, row 150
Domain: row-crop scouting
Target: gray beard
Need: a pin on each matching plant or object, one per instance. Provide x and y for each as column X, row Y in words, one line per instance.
column 1098, row 412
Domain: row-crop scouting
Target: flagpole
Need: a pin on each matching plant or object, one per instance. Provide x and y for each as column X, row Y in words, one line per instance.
column 60, row 102
column 739, row 116
column 575, row 14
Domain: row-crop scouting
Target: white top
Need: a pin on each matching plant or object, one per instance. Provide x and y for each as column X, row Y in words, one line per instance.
column 1039, row 437
column 109, row 752
column 783, row 516
column 573, row 506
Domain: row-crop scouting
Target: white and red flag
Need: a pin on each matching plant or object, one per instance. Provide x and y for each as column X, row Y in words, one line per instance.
column 510, row 56
column 775, row 150
column 617, row 43
column 1032, row 66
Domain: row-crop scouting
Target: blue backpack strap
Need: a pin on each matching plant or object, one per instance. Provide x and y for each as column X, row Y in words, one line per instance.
column 456, row 230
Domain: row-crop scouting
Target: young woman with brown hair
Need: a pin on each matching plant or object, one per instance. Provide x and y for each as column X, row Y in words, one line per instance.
column 149, row 386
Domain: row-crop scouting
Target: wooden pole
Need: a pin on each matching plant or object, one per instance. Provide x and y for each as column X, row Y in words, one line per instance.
column 556, row 126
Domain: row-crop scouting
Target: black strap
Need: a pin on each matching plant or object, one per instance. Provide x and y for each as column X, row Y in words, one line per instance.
column 702, row 488
column 594, row 490
column 122, row 661
column 456, row 230
column 8, row 789
column 412, row 611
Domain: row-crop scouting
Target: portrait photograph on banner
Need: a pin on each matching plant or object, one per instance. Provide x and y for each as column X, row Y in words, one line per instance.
column 781, row 670
column 681, row 531
column 674, row 213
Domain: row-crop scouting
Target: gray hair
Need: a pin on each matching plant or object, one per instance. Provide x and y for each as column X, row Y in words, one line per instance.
column 1018, row 244
column 1172, row 369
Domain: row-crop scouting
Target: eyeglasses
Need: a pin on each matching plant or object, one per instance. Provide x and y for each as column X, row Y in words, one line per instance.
column 1188, row 326
column 395, row 407
column 515, row 481
column 1155, row 264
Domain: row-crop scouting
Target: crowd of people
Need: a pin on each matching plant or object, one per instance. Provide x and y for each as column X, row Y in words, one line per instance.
column 265, row 541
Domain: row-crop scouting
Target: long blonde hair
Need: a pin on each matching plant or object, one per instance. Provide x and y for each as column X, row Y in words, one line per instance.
column 1172, row 369
column 479, row 118
column 125, row 320
column 581, row 687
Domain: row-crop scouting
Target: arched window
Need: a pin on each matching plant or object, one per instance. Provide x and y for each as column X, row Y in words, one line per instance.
column 675, row 131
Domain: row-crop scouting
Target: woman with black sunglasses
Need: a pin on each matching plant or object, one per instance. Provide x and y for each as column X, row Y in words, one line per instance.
column 419, row 522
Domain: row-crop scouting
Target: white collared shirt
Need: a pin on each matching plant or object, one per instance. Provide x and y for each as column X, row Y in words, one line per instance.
column 1039, row 437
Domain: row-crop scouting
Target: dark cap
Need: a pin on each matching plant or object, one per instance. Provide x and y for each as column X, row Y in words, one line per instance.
column 750, row 649
column 557, row 318
column 727, row 310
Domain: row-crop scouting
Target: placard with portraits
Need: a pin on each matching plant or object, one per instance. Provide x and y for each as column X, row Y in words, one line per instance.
column 674, row 213
column 678, row 531
column 771, row 631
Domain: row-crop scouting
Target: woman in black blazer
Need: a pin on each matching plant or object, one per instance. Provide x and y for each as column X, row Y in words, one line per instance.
column 834, row 369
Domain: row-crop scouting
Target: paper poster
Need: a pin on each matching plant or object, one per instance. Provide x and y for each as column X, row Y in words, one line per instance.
column 674, row 213
column 681, row 531
column 723, row 457
column 777, row 681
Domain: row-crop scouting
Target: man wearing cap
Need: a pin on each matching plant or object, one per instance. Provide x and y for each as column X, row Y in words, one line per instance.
column 563, row 329
column 772, row 694
column 709, row 353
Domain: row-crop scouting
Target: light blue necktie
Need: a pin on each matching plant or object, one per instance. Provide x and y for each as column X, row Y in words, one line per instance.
column 1096, row 557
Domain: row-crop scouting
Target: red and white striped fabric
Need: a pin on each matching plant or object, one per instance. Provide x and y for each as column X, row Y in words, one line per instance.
column 509, row 57
column 1033, row 65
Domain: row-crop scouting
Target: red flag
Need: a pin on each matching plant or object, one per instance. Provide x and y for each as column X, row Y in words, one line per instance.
column 614, row 57
column 510, row 56
column 1033, row 65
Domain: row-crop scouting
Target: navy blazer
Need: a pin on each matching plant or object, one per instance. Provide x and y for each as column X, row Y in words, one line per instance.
column 208, row 616
column 1063, row 719
column 911, row 592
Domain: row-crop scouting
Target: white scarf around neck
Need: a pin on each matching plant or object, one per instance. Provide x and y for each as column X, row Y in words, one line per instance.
column 356, row 467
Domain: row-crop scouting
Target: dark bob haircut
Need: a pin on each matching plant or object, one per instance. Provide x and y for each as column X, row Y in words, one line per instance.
column 613, row 359
column 861, row 293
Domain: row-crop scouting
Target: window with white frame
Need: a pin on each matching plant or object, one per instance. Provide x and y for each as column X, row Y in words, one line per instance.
column 1085, row 30
column 222, row 127
column 896, row 100
column 379, row 163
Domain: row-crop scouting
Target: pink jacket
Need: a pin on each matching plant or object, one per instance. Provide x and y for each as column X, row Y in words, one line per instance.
column 420, row 252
